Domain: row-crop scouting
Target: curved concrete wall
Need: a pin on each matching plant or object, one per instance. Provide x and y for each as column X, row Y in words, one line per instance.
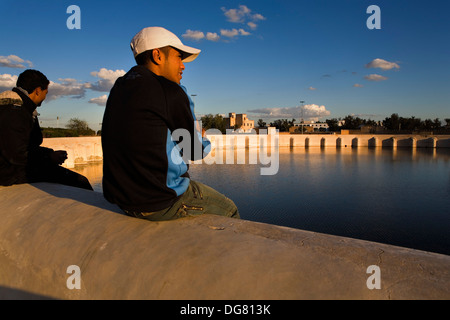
column 47, row 228
column 79, row 150
column 89, row 149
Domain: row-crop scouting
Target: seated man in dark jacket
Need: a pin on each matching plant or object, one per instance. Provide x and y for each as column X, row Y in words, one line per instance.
column 144, row 172
column 22, row 159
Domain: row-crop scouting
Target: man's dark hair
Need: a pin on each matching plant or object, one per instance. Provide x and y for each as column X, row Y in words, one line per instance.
column 30, row 79
column 146, row 57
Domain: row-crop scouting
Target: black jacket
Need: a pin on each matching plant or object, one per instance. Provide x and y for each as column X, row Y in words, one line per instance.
column 140, row 171
column 21, row 155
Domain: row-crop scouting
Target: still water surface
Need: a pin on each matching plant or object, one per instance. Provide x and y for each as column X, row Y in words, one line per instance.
column 399, row 197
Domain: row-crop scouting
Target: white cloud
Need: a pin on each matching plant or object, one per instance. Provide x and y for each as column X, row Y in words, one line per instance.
column 193, row 35
column 242, row 32
column 236, row 15
column 241, row 15
column 67, row 87
column 257, row 17
column 71, row 87
column 375, row 77
column 7, row 81
column 199, row 35
column 310, row 111
column 101, row 101
column 234, row 32
column 314, row 111
column 274, row 112
column 229, row 33
column 252, row 25
column 75, row 89
column 13, row 61
column 212, row 36
column 382, row 64
column 107, row 79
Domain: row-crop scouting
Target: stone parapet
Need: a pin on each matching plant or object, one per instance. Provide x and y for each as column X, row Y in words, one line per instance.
column 48, row 231
column 89, row 149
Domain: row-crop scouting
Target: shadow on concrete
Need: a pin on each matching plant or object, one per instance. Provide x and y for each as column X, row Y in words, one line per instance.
column 91, row 198
column 16, row 294
column 46, row 228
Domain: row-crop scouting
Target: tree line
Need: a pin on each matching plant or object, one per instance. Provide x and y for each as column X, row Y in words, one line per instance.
column 74, row 128
column 394, row 123
column 78, row 128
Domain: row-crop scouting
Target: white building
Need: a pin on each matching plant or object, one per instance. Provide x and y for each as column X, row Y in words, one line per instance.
column 312, row 124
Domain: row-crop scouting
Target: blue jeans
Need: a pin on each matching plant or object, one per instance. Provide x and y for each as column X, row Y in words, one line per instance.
column 198, row 199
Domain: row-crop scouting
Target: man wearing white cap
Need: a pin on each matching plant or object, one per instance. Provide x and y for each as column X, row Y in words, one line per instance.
column 144, row 171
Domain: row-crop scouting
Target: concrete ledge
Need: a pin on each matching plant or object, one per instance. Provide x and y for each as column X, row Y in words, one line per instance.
column 46, row 228
column 85, row 150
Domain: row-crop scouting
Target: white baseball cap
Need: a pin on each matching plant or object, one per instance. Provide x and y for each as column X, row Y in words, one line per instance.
column 156, row 37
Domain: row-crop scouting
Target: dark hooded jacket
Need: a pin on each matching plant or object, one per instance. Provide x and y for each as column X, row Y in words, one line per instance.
column 21, row 155
column 143, row 170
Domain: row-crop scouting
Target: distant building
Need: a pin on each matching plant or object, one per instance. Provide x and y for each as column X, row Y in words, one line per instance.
column 239, row 121
column 311, row 126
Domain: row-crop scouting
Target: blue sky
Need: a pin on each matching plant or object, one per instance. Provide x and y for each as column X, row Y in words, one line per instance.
column 258, row 57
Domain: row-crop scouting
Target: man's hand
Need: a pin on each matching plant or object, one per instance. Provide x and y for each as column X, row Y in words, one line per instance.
column 58, row 157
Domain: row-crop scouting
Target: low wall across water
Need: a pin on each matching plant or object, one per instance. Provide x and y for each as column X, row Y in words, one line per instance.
column 67, row 243
column 79, row 150
column 89, row 149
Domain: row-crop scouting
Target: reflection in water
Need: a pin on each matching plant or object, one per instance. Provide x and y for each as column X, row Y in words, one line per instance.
column 94, row 172
column 399, row 197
